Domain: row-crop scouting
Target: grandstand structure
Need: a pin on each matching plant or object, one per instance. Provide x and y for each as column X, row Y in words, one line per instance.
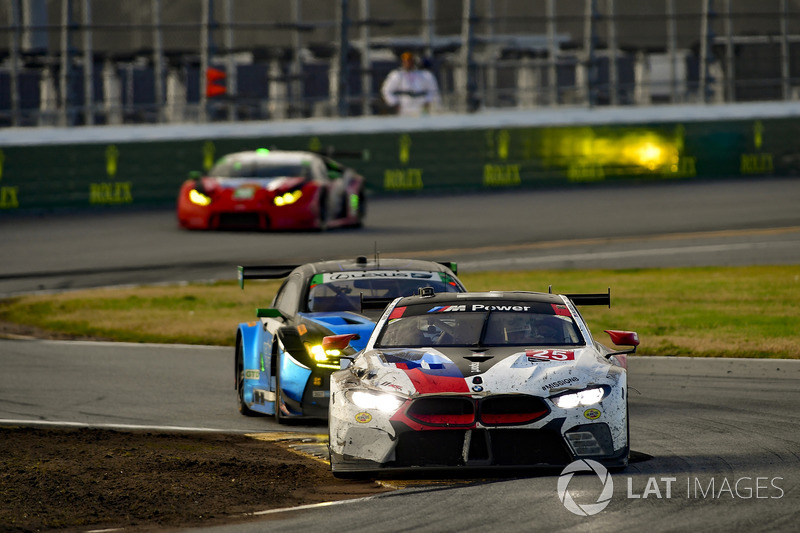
column 93, row 62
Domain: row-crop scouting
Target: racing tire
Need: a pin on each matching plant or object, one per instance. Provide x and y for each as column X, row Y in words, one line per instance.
column 280, row 418
column 243, row 409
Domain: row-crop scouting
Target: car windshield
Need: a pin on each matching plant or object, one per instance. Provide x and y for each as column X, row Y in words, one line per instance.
column 234, row 168
column 343, row 291
column 481, row 324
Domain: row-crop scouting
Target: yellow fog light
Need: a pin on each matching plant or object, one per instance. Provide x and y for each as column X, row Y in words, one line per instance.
column 198, row 198
column 287, row 198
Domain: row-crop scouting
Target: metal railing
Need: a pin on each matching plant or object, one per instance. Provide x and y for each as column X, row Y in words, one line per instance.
column 150, row 61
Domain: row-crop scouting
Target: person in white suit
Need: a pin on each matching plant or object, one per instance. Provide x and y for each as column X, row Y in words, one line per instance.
column 410, row 90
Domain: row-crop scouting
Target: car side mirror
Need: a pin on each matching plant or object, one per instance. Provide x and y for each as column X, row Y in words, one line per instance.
column 268, row 312
column 623, row 338
column 338, row 342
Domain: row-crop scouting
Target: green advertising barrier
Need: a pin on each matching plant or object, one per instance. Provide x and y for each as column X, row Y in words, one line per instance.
column 122, row 172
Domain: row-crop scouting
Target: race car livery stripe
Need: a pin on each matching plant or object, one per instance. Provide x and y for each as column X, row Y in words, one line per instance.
column 445, row 308
column 562, row 310
column 397, row 312
column 427, row 382
column 410, row 365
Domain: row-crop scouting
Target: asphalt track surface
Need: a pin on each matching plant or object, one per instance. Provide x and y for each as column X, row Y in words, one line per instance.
column 670, row 224
column 716, row 442
column 716, row 445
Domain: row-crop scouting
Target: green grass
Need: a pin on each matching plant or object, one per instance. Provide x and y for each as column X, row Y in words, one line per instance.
column 701, row 312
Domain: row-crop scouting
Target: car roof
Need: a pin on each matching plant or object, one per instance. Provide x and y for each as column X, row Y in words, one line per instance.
column 277, row 156
column 365, row 263
column 494, row 296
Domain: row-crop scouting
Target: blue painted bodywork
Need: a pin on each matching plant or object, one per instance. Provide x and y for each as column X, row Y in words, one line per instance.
column 259, row 345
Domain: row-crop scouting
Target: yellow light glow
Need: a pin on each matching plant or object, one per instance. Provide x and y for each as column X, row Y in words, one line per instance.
column 599, row 148
column 288, row 198
column 317, row 352
column 650, row 155
column 198, row 198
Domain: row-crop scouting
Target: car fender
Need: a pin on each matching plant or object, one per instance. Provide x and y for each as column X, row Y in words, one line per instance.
column 294, row 363
column 256, row 341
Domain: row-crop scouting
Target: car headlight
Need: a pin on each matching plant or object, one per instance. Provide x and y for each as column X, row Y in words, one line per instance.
column 584, row 397
column 383, row 402
column 198, row 198
column 322, row 357
column 287, row 198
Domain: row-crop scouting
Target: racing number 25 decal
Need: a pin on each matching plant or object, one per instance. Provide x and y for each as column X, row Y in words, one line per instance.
column 550, row 355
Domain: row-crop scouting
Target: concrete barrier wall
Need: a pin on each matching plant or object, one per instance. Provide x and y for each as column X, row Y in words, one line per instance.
column 51, row 168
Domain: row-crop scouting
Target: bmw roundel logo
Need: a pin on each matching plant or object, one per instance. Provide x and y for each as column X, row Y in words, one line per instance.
column 477, row 388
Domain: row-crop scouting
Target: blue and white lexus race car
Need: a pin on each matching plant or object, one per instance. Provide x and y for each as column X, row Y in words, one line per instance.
column 280, row 365
column 492, row 379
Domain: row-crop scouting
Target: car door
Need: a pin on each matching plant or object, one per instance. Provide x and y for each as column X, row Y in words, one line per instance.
column 287, row 302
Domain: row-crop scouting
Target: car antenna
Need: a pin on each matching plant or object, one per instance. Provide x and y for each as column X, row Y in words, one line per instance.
column 377, row 256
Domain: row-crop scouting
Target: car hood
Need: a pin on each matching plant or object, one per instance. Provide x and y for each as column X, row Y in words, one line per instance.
column 538, row 371
column 261, row 183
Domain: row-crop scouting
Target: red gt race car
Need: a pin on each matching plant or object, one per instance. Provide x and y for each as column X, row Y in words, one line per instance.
column 273, row 190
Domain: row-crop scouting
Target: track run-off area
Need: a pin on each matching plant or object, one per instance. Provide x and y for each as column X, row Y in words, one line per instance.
column 716, row 442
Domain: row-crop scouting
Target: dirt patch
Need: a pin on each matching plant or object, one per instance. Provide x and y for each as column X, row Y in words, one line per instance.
column 87, row 479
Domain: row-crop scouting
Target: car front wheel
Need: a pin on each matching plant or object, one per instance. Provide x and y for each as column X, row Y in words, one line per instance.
column 243, row 409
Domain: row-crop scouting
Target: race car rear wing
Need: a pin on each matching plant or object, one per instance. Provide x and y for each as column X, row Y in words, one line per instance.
column 590, row 298
column 263, row 272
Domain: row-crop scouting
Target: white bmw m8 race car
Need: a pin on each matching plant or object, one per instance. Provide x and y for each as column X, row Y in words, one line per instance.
column 494, row 379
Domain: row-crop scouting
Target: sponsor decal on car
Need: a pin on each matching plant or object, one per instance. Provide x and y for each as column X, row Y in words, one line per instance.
column 372, row 274
column 447, row 308
column 592, row 414
column 244, row 193
column 363, row 418
column 251, row 374
column 559, row 383
column 478, row 308
column 549, row 355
